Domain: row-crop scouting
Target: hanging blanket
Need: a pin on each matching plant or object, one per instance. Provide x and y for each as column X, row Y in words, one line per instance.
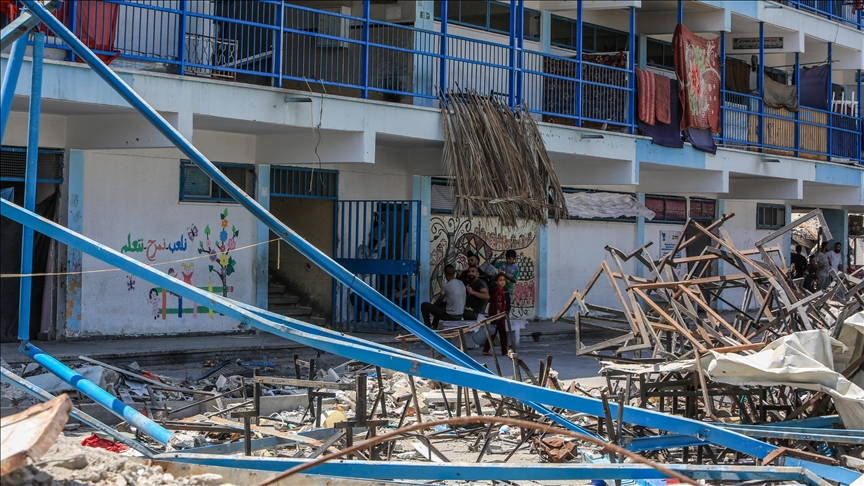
column 780, row 96
column 647, row 95
column 663, row 106
column 663, row 134
column 696, row 66
column 814, row 86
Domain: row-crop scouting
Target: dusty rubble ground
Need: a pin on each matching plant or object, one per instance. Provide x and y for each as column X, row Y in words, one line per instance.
column 69, row 463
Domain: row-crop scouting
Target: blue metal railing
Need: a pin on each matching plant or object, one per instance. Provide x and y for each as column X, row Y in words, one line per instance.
column 840, row 10
column 271, row 42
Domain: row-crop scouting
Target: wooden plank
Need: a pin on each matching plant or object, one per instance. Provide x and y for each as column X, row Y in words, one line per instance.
column 273, row 380
column 27, row 435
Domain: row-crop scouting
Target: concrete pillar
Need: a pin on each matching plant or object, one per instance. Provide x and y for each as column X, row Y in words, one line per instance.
column 546, row 32
column 640, row 235
column 262, row 252
column 424, row 81
column 838, row 223
column 75, row 222
column 543, row 272
column 422, row 191
column 720, row 211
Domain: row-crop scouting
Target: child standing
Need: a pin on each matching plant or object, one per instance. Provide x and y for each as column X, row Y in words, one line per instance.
column 510, row 270
column 499, row 302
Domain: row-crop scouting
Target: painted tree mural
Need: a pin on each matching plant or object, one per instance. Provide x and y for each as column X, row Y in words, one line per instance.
column 221, row 263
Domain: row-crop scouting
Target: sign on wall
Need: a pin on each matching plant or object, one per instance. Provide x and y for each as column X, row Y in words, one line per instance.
column 668, row 242
column 749, row 43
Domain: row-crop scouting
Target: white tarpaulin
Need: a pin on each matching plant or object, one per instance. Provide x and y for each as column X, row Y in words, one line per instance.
column 801, row 360
column 605, row 205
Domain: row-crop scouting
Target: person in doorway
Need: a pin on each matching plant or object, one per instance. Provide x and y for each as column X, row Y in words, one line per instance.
column 799, row 263
column 477, row 294
column 510, row 270
column 450, row 304
column 824, row 265
column 499, row 302
column 811, row 276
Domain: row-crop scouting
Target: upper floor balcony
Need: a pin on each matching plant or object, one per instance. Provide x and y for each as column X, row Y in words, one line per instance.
column 572, row 64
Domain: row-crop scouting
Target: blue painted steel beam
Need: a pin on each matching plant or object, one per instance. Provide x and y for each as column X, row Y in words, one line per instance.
column 26, row 286
column 100, row 396
column 10, row 80
column 36, row 392
column 577, row 100
column 313, row 254
column 761, row 84
column 492, row 471
column 405, row 362
column 21, row 26
column 442, row 50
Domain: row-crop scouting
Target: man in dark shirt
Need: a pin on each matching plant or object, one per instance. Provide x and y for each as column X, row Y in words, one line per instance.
column 478, row 294
column 799, row 261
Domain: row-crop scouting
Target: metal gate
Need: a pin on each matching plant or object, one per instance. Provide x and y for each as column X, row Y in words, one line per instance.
column 377, row 241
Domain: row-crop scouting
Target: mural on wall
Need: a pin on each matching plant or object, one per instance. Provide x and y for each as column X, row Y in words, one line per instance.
column 453, row 238
column 164, row 303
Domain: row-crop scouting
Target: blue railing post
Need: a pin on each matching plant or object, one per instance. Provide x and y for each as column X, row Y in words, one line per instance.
column 520, row 45
column 828, row 145
column 631, row 60
column 511, row 73
column 277, row 47
column 797, row 113
column 761, row 80
column 7, row 89
column 181, row 39
column 722, row 90
column 30, row 187
column 72, row 18
column 364, row 69
column 578, row 98
column 442, row 70
column 680, row 11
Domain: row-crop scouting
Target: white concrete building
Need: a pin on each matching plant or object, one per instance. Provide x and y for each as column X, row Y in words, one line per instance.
column 327, row 113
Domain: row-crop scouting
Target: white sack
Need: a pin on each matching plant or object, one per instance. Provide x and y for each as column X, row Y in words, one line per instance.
column 605, row 205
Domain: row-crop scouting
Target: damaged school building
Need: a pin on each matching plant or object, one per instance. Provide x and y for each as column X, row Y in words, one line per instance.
column 309, row 169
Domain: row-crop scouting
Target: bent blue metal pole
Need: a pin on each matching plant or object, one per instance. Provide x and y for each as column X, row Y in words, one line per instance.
column 338, row 272
column 26, row 287
column 7, row 90
column 99, row 395
column 86, row 419
column 405, row 362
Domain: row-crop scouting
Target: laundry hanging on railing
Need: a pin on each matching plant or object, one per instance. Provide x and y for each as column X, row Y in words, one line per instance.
column 667, row 134
column 778, row 95
column 697, row 69
column 814, row 86
column 737, row 75
column 652, row 94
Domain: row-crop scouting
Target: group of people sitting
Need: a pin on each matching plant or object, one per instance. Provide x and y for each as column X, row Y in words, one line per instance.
column 465, row 295
column 816, row 271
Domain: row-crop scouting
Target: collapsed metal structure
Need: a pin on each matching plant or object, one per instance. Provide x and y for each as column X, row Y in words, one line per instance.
column 464, row 371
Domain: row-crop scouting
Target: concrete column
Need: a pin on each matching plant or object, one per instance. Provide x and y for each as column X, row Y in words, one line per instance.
column 643, row 51
column 422, row 191
column 546, row 32
column 262, row 252
column 543, row 272
column 424, row 81
column 640, row 235
column 75, row 222
column 721, row 209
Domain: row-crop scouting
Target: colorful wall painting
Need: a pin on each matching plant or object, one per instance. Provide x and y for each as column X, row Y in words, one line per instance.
column 453, row 238
column 162, row 303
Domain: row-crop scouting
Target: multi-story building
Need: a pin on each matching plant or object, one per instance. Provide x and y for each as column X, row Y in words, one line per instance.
column 327, row 112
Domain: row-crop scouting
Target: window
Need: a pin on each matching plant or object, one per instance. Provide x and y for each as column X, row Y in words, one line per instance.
column 442, row 196
column 594, row 37
column 770, row 216
column 660, row 54
column 703, row 210
column 304, row 182
column 13, row 165
column 667, row 209
column 488, row 15
column 195, row 185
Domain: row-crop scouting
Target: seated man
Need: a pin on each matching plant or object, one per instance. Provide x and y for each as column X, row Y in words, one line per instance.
column 473, row 261
column 450, row 304
column 478, row 294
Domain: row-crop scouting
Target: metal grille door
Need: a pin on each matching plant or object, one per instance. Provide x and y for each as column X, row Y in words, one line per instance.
column 378, row 242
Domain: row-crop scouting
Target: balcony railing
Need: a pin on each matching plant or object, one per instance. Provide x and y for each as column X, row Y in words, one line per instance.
column 270, row 42
column 840, row 10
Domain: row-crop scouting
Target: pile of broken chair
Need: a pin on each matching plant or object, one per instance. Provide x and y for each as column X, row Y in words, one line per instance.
column 784, row 364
